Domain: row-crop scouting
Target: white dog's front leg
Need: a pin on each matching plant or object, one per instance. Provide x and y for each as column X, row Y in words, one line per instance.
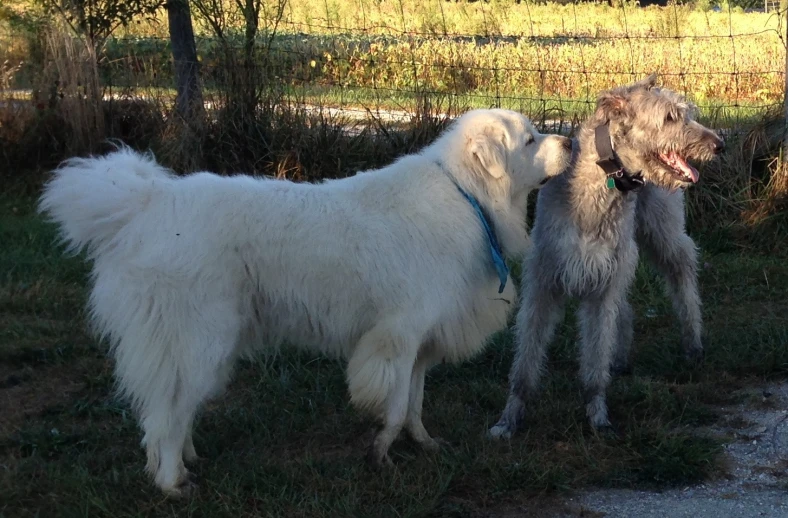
column 379, row 379
column 414, row 425
column 189, row 453
column 394, row 414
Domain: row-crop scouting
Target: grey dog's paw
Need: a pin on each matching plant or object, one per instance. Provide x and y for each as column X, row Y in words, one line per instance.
column 621, row 368
column 695, row 356
column 501, row 430
column 606, row 430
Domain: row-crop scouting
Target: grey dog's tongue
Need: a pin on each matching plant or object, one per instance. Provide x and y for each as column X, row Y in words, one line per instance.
column 677, row 162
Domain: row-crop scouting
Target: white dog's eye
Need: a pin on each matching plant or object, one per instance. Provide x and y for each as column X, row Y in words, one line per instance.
column 529, row 141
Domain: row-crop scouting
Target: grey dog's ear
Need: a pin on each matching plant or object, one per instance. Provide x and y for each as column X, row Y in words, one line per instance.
column 487, row 150
column 647, row 82
column 615, row 104
column 612, row 105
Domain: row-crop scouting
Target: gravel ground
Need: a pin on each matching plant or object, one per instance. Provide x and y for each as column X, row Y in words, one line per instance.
column 756, row 484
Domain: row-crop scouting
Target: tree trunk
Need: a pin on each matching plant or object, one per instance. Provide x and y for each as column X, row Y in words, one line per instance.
column 188, row 103
column 251, row 15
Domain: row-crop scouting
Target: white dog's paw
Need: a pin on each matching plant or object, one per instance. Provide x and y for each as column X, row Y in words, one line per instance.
column 184, row 489
column 379, row 461
column 192, row 458
column 435, row 444
column 500, row 431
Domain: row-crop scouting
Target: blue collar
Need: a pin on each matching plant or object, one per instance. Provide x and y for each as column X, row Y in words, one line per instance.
column 495, row 247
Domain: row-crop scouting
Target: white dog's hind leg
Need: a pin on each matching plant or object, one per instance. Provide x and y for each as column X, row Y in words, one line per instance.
column 191, row 366
column 168, row 422
column 166, row 426
column 223, row 376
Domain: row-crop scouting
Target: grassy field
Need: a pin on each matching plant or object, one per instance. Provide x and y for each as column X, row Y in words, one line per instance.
column 284, row 441
column 543, row 59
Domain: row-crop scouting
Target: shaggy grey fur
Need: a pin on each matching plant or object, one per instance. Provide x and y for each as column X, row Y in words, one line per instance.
column 584, row 243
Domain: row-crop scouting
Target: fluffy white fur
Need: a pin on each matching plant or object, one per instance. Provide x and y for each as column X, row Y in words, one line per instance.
column 390, row 269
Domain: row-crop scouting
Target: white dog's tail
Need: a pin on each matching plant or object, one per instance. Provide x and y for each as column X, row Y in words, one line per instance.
column 93, row 198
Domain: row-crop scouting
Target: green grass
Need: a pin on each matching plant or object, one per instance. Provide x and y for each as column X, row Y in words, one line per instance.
column 284, row 441
column 357, row 100
column 716, row 114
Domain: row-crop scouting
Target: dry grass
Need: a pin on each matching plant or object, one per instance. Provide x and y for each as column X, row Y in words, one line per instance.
column 731, row 57
column 367, row 49
column 560, row 69
column 496, row 18
column 73, row 73
column 500, row 53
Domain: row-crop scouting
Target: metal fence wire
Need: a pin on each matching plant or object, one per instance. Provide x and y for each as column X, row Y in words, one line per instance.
column 552, row 72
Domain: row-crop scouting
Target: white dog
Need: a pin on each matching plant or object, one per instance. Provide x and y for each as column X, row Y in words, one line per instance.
column 395, row 270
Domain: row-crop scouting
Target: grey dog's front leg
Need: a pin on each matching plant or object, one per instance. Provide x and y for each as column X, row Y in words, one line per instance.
column 598, row 320
column 539, row 314
column 622, row 359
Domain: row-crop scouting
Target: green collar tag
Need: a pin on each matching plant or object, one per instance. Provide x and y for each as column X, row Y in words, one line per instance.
column 611, row 183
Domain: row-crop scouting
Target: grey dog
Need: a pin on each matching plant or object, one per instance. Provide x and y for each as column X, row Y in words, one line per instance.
column 624, row 189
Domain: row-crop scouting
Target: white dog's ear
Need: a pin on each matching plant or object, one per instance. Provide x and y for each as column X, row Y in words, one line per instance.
column 487, row 149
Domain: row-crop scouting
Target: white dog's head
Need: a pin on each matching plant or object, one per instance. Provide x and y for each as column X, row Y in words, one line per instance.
column 498, row 157
column 503, row 147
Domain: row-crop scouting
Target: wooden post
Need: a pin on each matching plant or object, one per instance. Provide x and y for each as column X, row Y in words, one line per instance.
column 188, row 101
column 785, row 95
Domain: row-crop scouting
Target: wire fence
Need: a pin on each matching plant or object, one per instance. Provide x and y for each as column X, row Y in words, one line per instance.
column 549, row 66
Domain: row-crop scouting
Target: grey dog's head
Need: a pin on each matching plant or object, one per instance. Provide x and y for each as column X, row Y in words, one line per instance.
column 654, row 132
